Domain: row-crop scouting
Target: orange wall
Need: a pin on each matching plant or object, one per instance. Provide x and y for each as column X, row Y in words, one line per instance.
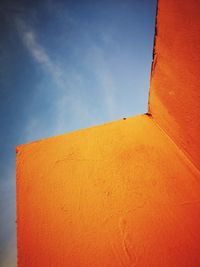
column 121, row 194
column 174, row 93
column 125, row 193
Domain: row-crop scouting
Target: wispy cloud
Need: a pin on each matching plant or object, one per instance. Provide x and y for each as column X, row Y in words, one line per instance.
column 105, row 80
column 76, row 88
column 65, row 98
column 38, row 52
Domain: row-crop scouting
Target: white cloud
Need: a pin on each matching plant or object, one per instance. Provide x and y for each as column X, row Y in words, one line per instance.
column 66, row 99
column 38, row 52
column 105, row 80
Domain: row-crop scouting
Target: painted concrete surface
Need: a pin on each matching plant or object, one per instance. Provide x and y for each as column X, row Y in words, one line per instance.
column 120, row 194
column 174, row 94
column 125, row 193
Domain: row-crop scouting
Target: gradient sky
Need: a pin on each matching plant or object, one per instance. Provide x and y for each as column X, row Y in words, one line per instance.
column 66, row 65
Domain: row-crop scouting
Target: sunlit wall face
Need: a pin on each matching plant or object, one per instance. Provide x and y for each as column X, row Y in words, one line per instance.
column 66, row 65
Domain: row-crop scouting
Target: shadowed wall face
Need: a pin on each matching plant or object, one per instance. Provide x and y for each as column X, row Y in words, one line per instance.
column 175, row 83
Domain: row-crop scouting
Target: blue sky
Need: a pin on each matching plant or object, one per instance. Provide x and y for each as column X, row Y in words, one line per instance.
column 66, row 65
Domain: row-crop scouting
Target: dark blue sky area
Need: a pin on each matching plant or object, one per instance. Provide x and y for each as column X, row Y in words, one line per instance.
column 66, row 65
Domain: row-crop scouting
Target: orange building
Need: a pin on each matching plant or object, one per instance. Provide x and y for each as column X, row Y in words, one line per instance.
column 125, row 193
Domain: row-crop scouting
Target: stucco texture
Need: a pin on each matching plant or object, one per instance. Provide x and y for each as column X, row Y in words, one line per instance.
column 126, row 193
column 120, row 194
